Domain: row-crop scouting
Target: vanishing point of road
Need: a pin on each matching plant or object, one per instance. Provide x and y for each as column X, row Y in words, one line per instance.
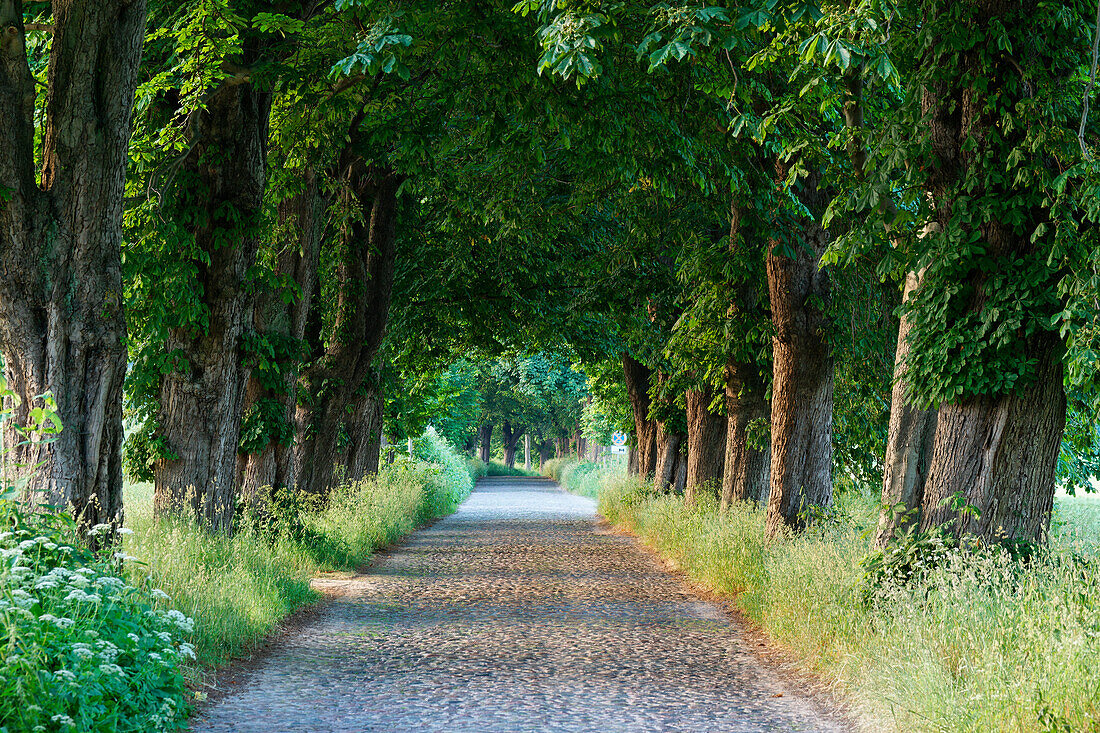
column 516, row 613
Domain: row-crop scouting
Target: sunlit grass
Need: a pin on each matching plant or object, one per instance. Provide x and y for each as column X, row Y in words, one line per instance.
column 982, row 643
column 239, row 587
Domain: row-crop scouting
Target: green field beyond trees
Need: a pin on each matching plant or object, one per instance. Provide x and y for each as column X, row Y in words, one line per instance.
column 280, row 281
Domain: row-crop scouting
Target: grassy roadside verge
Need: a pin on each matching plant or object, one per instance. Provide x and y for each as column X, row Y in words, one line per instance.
column 106, row 639
column 238, row 588
column 978, row 642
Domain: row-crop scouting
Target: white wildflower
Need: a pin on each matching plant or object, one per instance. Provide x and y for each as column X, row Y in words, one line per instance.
column 159, row 595
column 46, row 584
column 83, row 653
column 109, row 580
column 79, row 595
column 165, row 637
column 187, row 651
column 98, row 529
column 111, row 669
column 63, row 720
column 27, row 544
column 11, row 552
column 124, row 530
column 64, row 674
column 182, row 623
column 61, row 623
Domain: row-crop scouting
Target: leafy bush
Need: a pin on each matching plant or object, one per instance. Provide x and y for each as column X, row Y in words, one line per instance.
column 477, row 468
column 554, row 468
column 80, row 648
column 582, row 477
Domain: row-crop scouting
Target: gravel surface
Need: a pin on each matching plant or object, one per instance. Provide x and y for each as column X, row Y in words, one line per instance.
column 516, row 613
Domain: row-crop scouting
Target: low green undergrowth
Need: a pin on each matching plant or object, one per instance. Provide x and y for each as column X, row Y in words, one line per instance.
column 581, row 477
column 978, row 642
column 237, row 588
column 99, row 641
column 496, row 468
column 80, row 648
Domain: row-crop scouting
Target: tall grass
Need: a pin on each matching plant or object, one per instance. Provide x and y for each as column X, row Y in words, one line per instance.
column 979, row 642
column 238, row 588
column 581, row 477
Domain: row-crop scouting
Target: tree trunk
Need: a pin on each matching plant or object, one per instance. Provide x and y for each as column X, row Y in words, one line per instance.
column 336, row 382
column 61, row 319
column 802, row 384
column 527, row 451
column 485, row 442
column 365, row 432
column 668, row 452
column 544, row 453
column 511, row 442
column 993, row 448
column 747, row 469
column 908, row 446
column 201, row 402
column 681, row 473
column 645, row 433
column 999, row 453
column 706, row 445
column 271, row 397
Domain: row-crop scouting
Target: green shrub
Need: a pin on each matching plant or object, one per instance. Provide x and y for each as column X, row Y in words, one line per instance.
column 80, row 648
column 477, row 468
column 554, row 468
column 583, row 477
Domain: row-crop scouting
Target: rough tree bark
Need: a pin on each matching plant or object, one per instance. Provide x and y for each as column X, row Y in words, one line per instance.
column 706, row 445
column 999, row 453
column 747, row 470
column 802, row 385
column 681, row 474
column 669, row 445
column 645, row 432
column 61, row 318
column 908, row 443
column 527, row 451
column 364, row 428
column 302, row 214
column 223, row 176
column 339, row 382
column 485, row 442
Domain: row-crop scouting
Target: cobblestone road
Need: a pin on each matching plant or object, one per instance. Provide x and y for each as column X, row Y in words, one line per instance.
column 517, row 613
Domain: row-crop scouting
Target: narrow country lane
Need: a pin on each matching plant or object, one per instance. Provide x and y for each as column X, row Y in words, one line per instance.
column 517, row 613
